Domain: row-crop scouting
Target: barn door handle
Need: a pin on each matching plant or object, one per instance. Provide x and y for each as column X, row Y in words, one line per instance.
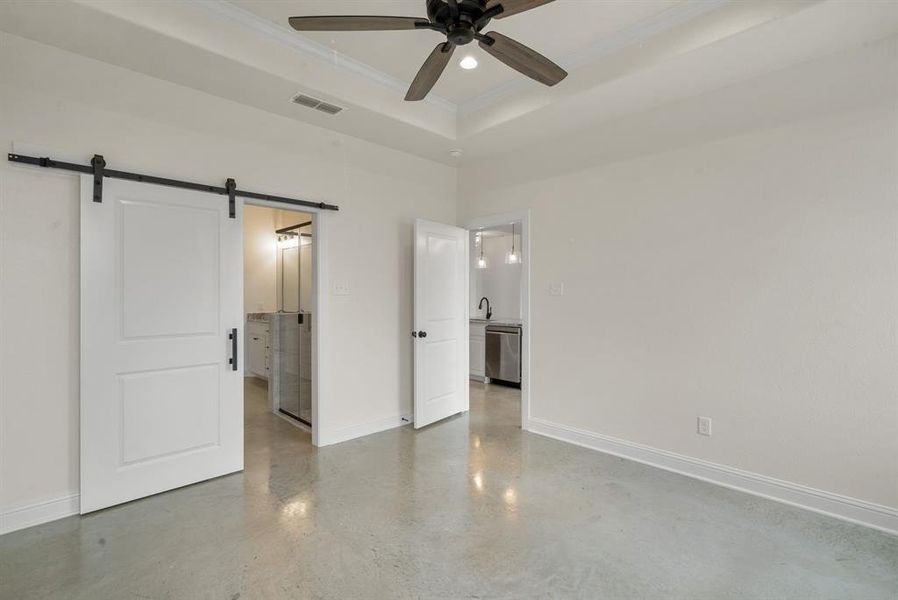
column 233, row 360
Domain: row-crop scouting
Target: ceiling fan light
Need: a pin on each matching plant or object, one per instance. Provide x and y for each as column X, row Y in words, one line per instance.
column 468, row 63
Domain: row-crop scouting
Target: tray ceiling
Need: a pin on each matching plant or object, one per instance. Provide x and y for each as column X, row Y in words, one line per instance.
column 562, row 30
column 624, row 57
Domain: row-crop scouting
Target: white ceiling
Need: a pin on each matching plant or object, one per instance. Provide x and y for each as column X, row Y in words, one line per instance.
column 559, row 30
column 624, row 57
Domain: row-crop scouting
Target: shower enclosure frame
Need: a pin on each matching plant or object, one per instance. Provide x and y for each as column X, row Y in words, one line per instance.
column 289, row 230
column 302, row 311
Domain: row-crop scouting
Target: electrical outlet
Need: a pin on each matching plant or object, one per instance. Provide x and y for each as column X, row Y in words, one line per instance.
column 556, row 289
column 704, row 426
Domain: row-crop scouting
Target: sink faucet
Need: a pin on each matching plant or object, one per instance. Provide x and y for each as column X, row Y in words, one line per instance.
column 489, row 311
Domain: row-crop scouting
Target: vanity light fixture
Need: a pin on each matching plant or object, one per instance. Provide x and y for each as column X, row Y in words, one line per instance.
column 288, row 240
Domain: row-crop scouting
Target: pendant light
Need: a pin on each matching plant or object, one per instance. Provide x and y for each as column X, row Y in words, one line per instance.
column 481, row 262
column 512, row 257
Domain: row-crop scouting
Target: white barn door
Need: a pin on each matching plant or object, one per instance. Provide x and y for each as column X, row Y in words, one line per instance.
column 161, row 292
column 441, row 321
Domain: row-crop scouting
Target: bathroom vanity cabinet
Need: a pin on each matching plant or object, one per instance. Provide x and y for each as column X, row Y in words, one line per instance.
column 257, row 347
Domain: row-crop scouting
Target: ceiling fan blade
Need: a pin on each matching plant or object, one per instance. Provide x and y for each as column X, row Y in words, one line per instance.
column 354, row 23
column 513, row 7
column 430, row 71
column 523, row 59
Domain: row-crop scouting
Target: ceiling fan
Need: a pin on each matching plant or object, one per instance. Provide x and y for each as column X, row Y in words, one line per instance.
column 461, row 21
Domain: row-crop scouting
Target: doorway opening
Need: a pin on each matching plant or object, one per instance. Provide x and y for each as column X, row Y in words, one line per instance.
column 280, row 300
column 499, row 310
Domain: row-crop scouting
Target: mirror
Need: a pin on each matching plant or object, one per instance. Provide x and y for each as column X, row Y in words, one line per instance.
column 295, row 269
column 289, row 279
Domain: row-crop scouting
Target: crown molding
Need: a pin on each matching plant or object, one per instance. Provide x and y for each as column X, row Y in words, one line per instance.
column 311, row 49
column 639, row 31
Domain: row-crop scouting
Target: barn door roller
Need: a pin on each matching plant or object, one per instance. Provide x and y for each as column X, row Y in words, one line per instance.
column 98, row 164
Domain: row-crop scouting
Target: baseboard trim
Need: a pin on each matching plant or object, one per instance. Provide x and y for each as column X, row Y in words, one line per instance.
column 877, row 516
column 39, row 513
column 344, row 434
column 66, row 506
column 846, row 508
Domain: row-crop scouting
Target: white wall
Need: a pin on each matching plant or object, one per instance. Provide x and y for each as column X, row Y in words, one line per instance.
column 499, row 282
column 751, row 279
column 72, row 107
column 289, row 218
column 259, row 259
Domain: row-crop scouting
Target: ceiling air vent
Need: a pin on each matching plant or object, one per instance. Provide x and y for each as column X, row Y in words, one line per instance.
column 329, row 108
column 317, row 104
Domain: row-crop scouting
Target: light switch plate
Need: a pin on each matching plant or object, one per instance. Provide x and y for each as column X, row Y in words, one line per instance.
column 342, row 289
column 556, row 288
column 704, row 426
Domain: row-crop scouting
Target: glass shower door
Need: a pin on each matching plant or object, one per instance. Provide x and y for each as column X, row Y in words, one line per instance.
column 293, row 324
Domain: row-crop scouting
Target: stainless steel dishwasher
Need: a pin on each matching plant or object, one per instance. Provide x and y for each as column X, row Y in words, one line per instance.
column 503, row 353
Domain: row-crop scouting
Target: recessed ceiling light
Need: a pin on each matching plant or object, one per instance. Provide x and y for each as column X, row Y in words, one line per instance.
column 468, row 62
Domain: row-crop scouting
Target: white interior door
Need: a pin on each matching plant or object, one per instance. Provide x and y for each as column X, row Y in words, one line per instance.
column 441, row 321
column 161, row 290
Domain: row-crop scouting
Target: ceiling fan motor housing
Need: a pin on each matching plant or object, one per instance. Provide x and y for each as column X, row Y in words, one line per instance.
column 461, row 34
column 460, row 28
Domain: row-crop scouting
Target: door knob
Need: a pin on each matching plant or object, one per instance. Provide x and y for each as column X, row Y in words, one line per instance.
column 422, row 334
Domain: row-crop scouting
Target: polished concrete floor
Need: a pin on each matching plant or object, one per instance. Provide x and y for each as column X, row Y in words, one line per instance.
column 468, row 508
